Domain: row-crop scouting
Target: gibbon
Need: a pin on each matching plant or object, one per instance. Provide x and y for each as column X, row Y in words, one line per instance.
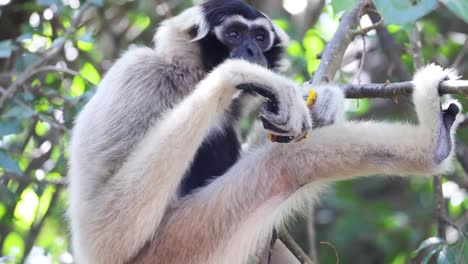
column 159, row 174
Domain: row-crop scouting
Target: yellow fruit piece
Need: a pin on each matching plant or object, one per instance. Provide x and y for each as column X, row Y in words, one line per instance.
column 272, row 138
column 311, row 98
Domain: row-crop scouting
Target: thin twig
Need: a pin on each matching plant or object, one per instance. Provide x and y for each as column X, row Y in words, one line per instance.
column 167, row 9
column 452, row 223
column 391, row 49
column 295, row 249
column 418, row 61
column 52, row 68
column 416, row 46
column 376, row 25
column 41, row 117
column 51, row 53
column 334, row 250
column 332, row 55
column 362, row 60
column 440, row 206
column 30, row 180
column 460, row 55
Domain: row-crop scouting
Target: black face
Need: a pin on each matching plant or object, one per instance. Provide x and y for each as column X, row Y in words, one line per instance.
column 246, row 41
column 237, row 30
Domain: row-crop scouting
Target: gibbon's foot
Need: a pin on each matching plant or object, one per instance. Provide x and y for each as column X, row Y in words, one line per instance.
column 444, row 142
column 426, row 98
column 328, row 107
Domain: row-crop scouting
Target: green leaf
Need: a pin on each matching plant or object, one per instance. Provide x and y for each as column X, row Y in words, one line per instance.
column 97, row 2
column 10, row 126
column 142, row 22
column 459, row 7
column 8, row 163
column 295, row 49
column 78, row 87
column 6, row 48
column 343, row 5
column 18, row 112
column 429, row 242
column 24, row 61
column 446, row 256
column 7, row 197
column 13, row 245
column 42, row 128
column 86, row 42
column 87, row 37
column 57, row 41
column 90, row 73
column 402, row 12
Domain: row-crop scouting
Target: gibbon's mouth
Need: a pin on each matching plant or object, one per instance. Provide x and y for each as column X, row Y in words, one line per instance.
column 250, row 52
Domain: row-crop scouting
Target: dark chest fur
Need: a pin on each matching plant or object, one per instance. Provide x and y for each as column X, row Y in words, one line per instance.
column 218, row 152
column 214, row 157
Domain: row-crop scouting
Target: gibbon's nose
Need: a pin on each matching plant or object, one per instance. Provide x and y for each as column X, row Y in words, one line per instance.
column 250, row 51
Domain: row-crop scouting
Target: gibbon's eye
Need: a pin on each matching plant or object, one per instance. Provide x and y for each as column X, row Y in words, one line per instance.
column 233, row 34
column 260, row 37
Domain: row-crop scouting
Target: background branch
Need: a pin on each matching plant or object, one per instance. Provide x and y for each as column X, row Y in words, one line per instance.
column 28, row 180
column 392, row 90
column 50, row 54
column 335, row 49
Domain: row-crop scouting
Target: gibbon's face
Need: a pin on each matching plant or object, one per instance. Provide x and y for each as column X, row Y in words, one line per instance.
column 246, row 39
column 237, row 30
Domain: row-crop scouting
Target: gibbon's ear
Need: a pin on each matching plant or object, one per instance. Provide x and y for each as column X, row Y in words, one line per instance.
column 282, row 36
column 191, row 23
column 199, row 31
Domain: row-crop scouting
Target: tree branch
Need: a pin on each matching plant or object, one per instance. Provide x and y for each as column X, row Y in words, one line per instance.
column 392, row 90
column 460, row 55
column 392, row 50
column 363, row 31
column 41, row 117
column 331, row 60
column 295, row 249
column 440, row 206
column 335, row 49
column 51, row 53
column 30, row 180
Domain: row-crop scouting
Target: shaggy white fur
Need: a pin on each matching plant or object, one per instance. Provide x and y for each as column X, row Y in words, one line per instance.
column 125, row 208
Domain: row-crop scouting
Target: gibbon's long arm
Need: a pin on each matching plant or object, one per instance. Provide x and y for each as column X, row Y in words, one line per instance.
column 230, row 220
column 132, row 202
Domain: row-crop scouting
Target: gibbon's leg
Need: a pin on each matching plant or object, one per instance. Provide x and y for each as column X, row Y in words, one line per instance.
column 230, row 220
column 127, row 211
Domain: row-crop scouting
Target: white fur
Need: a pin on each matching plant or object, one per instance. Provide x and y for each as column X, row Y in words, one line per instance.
column 173, row 36
column 240, row 208
column 157, row 161
column 230, row 220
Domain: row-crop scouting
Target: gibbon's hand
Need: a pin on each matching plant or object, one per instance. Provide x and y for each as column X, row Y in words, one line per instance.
column 284, row 113
column 282, row 116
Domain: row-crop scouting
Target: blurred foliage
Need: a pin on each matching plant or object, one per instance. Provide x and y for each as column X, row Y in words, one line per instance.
column 378, row 220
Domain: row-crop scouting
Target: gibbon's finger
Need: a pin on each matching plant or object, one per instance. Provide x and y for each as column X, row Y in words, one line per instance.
column 310, row 101
column 261, row 90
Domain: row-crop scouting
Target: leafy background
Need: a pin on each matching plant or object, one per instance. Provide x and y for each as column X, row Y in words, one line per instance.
column 372, row 220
